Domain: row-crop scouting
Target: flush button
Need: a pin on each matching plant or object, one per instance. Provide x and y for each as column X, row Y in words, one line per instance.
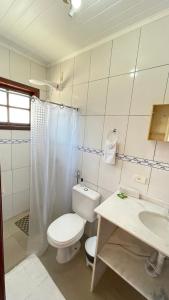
column 85, row 189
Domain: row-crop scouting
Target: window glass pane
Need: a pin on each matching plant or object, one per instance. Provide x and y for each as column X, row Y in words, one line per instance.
column 18, row 116
column 3, row 114
column 19, row 100
column 3, row 98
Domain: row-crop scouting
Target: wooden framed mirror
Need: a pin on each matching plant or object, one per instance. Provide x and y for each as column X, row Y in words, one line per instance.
column 159, row 125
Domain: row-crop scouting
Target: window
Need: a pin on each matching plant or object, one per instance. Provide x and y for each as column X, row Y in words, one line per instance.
column 15, row 104
column 14, row 107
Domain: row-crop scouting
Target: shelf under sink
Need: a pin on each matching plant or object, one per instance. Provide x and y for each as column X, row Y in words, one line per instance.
column 132, row 270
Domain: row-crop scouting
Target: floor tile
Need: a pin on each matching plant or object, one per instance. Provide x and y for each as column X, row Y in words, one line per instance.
column 13, row 253
column 74, row 278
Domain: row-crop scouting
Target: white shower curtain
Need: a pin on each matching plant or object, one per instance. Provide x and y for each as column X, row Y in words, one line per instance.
column 53, row 164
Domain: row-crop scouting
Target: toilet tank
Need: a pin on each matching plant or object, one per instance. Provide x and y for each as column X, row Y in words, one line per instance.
column 84, row 201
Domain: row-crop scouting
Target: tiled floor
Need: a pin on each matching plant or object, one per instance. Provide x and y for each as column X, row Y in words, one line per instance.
column 30, row 281
column 15, row 243
column 73, row 279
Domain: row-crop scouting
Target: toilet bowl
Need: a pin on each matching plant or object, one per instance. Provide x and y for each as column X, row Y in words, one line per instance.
column 64, row 234
column 66, row 231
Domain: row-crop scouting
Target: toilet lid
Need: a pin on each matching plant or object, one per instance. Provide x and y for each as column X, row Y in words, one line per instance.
column 66, row 228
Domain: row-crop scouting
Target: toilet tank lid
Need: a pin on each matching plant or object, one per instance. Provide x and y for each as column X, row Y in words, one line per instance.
column 93, row 195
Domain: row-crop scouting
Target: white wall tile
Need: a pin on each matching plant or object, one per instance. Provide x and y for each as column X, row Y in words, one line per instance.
column 119, row 123
column 154, row 44
column 54, row 95
column 38, row 72
column 53, row 73
column 129, row 171
column 93, row 132
column 5, row 156
column 79, row 161
column 67, row 72
column 90, row 167
column 100, row 61
column 21, row 202
column 66, row 96
column 5, row 134
column 149, row 89
column 124, row 53
column 137, row 143
column 109, row 175
column 4, row 62
column 162, row 152
column 20, row 134
column 104, row 194
column 79, row 97
column 20, row 180
column 81, row 129
column 5, row 151
column 97, row 97
column 119, row 95
column 159, row 187
column 20, row 155
column 129, row 115
column 7, row 207
column 81, row 68
column 7, row 183
column 19, row 68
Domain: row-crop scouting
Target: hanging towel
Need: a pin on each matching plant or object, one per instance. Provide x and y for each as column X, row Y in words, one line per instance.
column 110, row 149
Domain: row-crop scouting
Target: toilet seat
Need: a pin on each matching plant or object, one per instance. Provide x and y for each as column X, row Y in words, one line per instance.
column 66, row 230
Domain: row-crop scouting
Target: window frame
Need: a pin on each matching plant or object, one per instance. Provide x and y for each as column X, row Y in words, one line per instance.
column 20, row 88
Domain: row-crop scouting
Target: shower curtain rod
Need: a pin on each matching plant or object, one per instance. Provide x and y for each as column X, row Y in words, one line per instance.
column 56, row 103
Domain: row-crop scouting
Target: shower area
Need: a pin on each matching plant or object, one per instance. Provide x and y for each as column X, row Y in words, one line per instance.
column 48, row 151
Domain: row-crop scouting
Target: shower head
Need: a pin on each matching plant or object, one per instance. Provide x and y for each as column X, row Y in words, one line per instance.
column 45, row 82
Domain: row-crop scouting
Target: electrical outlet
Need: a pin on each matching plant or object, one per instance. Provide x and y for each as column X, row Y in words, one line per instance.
column 140, row 179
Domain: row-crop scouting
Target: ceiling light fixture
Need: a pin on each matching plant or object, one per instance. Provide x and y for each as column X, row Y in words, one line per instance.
column 74, row 6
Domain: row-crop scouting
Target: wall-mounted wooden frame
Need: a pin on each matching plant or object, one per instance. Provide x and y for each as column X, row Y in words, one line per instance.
column 159, row 125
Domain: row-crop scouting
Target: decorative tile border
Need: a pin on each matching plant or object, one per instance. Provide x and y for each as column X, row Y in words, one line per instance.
column 144, row 162
column 14, row 141
column 90, row 150
column 135, row 160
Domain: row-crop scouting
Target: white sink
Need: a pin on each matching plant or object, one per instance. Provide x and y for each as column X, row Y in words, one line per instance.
column 158, row 224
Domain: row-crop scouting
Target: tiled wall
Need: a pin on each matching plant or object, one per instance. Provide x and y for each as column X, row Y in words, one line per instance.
column 15, row 164
column 14, row 145
column 115, row 86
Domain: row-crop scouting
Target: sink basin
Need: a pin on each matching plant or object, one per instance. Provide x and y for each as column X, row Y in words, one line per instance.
column 158, row 224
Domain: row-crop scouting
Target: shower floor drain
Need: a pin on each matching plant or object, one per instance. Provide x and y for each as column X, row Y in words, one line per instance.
column 23, row 224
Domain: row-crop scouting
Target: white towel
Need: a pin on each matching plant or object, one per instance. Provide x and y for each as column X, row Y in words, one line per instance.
column 110, row 151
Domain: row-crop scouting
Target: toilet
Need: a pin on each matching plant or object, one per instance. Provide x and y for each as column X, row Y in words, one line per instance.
column 66, row 231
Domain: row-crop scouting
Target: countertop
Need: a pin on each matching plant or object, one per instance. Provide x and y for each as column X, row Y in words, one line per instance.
column 125, row 214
